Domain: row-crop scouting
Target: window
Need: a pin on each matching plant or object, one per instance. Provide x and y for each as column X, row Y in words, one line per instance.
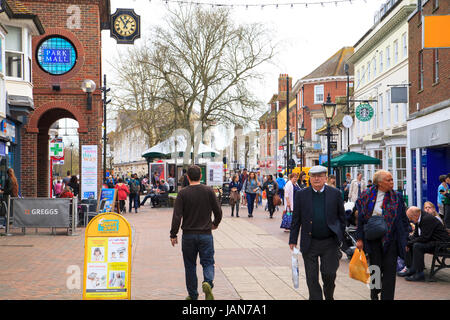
column 318, row 94
column 388, row 57
column 420, row 70
column 395, row 52
column 358, row 77
column 56, row 55
column 379, row 155
column 435, row 65
column 14, row 52
column 363, row 75
column 404, row 45
column 388, row 108
column 435, row 4
column 405, row 111
column 318, row 122
column 396, row 113
column 374, row 64
column 368, row 72
column 380, row 111
column 401, row 167
column 381, row 61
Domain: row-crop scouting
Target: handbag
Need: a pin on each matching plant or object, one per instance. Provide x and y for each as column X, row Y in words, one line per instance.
column 286, row 220
column 234, row 197
column 375, row 228
column 276, row 200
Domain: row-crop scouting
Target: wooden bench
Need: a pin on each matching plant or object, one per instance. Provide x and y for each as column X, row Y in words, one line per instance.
column 441, row 253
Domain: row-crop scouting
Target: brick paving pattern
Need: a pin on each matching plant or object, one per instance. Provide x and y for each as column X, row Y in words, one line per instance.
column 252, row 263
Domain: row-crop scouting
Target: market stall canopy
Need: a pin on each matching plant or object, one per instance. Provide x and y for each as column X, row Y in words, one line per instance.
column 165, row 149
column 352, row 159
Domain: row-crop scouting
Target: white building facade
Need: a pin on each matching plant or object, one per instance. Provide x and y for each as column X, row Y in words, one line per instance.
column 381, row 63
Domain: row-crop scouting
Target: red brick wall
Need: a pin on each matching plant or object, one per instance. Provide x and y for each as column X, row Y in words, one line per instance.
column 70, row 101
column 335, row 88
column 432, row 93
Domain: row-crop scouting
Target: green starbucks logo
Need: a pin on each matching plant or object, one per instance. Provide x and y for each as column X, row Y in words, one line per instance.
column 364, row 112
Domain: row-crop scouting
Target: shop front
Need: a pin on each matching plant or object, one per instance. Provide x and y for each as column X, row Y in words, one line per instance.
column 429, row 150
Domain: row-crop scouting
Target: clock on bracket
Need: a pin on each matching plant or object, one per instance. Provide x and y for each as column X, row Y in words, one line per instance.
column 125, row 26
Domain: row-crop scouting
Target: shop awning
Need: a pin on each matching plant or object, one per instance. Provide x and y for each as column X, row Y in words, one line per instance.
column 352, row 159
column 165, row 149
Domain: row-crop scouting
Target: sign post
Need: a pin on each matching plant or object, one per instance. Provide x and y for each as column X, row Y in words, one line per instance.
column 107, row 258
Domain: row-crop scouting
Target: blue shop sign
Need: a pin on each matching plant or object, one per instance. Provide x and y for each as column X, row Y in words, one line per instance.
column 2, row 149
column 8, row 130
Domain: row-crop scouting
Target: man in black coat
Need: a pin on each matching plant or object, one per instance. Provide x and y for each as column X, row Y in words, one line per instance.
column 319, row 210
column 428, row 230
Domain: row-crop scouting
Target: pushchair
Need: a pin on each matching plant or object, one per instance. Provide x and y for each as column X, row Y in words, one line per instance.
column 225, row 194
column 350, row 229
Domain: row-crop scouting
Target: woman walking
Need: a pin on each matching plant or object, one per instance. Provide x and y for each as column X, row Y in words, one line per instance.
column 74, row 185
column 289, row 193
column 122, row 193
column 235, row 194
column 380, row 203
column 250, row 187
column 271, row 188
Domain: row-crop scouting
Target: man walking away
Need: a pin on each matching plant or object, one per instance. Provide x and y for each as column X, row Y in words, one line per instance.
column 319, row 211
column 134, row 194
column 192, row 209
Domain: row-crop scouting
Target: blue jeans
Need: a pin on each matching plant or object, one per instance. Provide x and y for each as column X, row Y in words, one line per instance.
column 191, row 245
column 133, row 198
column 150, row 195
column 250, row 202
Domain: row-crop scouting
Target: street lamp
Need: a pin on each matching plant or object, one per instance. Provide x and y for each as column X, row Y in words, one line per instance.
column 328, row 110
column 302, row 135
column 71, row 146
column 88, row 86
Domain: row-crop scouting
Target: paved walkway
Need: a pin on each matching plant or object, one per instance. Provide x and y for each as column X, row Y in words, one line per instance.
column 252, row 262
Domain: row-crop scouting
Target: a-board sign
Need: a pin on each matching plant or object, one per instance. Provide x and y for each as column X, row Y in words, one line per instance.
column 110, row 196
column 107, row 258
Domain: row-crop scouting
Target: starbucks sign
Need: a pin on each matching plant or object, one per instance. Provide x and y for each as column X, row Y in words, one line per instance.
column 364, row 112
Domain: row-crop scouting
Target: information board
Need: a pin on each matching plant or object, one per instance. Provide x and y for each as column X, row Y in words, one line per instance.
column 214, row 173
column 89, row 171
column 107, row 258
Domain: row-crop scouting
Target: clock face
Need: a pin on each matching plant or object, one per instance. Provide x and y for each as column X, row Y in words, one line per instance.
column 125, row 25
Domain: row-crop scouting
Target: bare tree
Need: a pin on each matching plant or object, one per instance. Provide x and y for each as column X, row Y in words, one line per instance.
column 204, row 62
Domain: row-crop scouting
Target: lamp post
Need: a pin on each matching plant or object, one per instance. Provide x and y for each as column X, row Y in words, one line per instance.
column 71, row 151
column 88, row 86
column 328, row 111
column 302, row 135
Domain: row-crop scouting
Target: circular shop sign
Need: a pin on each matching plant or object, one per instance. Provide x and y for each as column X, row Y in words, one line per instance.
column 347, row 121
column 56, row 55
column 364, row 112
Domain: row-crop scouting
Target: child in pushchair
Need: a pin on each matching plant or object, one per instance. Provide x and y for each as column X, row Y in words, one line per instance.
column 351, row 220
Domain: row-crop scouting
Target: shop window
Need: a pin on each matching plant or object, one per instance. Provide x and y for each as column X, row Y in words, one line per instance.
column 401, row 167
column 379, row 155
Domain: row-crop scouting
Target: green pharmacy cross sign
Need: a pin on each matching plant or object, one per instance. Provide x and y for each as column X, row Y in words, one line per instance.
column 364, row 112
column 56, row 149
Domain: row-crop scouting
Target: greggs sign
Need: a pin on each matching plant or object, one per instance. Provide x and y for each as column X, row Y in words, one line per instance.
column 41, row 213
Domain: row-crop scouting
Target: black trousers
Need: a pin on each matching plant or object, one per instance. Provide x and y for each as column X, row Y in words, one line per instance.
column 387, row 262
column 270, row 205
column 328, row 252
column 415, row 257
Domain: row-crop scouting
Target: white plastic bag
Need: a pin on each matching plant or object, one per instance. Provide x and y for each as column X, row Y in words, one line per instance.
column 295, row 253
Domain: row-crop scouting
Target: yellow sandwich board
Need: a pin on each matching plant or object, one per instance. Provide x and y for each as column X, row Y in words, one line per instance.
column 436, row 31
column 107, row 258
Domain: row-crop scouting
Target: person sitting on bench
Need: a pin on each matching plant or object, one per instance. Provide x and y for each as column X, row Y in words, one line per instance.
column 162, row 189
column 151, row 193
column 428, row 230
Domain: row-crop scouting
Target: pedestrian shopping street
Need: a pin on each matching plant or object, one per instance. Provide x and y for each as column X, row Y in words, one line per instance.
column 252, row 259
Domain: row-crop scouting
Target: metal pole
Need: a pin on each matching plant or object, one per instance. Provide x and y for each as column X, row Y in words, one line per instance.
column 348, row 110
column 287, row 126
column 104, row 128
column 8, row 213
column 329, row 147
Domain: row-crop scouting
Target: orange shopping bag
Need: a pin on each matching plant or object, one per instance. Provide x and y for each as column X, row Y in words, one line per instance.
column 358, row 266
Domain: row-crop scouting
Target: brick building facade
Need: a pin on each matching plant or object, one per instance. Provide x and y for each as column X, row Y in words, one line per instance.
column 428, row 124
column 60, row 96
